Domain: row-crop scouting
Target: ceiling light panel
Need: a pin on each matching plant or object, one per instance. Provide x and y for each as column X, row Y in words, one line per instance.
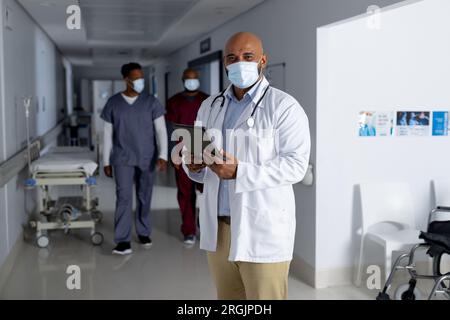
column 131, row 20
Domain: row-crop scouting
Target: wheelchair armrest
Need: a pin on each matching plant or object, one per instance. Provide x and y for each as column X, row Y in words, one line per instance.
column 442, row 208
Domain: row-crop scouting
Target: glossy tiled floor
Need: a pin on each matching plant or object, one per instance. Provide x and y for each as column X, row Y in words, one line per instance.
column 166, row 271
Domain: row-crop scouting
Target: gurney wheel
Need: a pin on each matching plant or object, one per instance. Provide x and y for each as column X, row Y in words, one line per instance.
column 97, row 239
column 43, row 241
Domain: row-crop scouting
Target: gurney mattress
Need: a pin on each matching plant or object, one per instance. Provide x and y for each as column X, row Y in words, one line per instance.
column 66, row 159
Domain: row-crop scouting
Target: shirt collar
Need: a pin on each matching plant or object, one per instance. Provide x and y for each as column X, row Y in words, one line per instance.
column 255, row 92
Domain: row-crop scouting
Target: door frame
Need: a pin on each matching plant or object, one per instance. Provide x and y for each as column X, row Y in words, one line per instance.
column 166, row 86
column 2, row 87
column 217, row 55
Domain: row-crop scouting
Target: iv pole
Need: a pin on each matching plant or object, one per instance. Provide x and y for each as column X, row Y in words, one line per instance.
column 27, row 104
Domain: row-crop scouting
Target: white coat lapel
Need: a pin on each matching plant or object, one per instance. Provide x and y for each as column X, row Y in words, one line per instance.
column 219, row 117
column 262, row 86
column 245, row 115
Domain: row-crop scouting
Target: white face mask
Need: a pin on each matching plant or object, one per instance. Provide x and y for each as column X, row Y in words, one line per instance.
column 243, row 74
column 192, row 84
column 139, row 85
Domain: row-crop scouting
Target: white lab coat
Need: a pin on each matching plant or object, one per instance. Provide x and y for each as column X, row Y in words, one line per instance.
column 262, row 202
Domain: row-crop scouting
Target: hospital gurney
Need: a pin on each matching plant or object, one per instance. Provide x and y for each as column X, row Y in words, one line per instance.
column 65, row 166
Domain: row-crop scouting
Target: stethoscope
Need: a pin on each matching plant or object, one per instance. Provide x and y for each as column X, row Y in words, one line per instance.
column 250, row 120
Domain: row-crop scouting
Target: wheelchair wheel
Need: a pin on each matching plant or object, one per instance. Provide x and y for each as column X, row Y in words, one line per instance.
column 403, row 292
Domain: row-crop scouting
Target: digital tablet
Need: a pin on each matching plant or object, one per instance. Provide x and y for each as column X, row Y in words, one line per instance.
column 192, row 137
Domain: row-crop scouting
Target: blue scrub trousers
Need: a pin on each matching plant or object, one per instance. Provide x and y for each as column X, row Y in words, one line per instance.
column 125, row 177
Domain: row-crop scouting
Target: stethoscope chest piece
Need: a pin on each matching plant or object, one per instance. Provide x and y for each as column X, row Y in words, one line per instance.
column 251, row 122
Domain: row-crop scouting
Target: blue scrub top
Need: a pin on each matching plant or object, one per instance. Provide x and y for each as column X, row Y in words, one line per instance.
column 133, row 131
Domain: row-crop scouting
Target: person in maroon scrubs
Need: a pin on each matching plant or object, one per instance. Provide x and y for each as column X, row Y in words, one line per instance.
column 182, row 108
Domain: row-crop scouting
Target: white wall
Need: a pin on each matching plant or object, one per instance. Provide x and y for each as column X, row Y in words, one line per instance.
column 69, row 89
column 48, row 84
column 159, row 69
column 90, row 73
column 31, row 66
column 84, row 75
column 288, row 30
column 403, row 66
column 102, row 90
column 3, row 223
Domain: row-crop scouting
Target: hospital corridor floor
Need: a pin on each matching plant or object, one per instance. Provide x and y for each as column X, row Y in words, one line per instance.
column 168, row 270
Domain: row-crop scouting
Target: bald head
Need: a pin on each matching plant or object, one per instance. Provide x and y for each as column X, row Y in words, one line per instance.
column 244, row 46
column 190, row 73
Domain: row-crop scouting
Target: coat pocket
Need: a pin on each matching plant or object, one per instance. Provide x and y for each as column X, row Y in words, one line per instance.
column 265, row 222
column 261, row 146
column 268, row 233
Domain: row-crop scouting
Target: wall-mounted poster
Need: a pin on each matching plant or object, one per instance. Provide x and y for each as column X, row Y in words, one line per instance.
column 413, row 123
column 375, row 124
column 385, row 124
column 440, row 123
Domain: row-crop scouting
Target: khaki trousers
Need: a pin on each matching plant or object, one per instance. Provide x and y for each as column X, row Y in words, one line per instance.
column 245, row 280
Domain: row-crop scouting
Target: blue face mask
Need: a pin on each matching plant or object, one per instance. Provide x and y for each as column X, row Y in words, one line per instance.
column 243, row 74
column 192, row 84
column 139, row 85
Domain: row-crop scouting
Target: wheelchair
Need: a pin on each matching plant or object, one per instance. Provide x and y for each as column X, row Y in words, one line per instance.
column 437, row 243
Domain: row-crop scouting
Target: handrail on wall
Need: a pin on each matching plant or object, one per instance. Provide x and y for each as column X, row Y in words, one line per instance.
column 12, row 167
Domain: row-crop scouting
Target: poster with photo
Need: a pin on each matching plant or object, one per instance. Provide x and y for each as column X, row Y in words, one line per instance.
column 413, row 123
column 375, row 124
column 440, row 123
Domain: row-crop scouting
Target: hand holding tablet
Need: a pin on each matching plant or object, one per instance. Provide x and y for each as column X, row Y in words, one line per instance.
column 193, row 139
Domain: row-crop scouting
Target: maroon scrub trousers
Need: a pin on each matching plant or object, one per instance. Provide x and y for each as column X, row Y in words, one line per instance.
column 183, row 109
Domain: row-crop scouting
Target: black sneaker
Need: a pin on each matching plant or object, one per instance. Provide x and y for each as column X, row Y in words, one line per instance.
column 123, row 248
column 145, row 241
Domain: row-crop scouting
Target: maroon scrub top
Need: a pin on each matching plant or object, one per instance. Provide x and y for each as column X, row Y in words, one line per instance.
column 183, row 109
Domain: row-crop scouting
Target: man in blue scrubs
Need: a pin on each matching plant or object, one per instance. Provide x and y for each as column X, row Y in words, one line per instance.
column 134, row 121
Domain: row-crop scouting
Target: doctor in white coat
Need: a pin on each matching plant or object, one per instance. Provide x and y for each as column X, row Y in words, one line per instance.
column 247, row 218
